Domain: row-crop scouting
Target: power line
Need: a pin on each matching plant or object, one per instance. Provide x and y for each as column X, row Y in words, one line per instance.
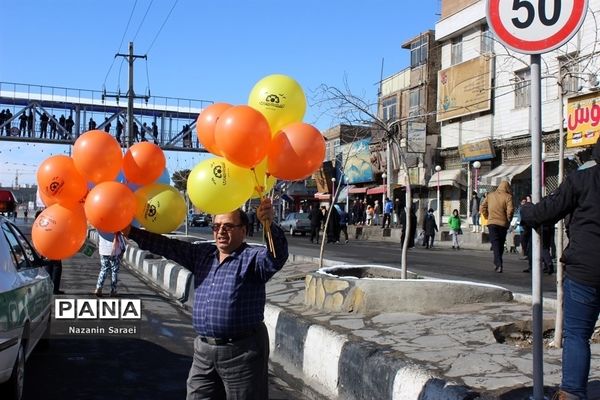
column 120, row 44
column 142, row 22
column 162, row 26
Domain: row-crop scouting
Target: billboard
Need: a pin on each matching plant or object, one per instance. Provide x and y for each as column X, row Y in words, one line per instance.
column 583, row 120
column 465, row 88
column 357, row 161
column 482, row 150
column 417, row 137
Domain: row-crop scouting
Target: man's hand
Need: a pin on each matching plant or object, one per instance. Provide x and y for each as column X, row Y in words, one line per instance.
column 265, row 211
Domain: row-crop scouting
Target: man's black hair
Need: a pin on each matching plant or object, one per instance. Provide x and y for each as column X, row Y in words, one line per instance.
column 244, row 220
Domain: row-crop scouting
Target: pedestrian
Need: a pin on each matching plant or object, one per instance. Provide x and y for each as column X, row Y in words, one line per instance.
column 110, row 247
column 343, row 223
column 44, row 125
column 475, row 203
column 8, row 116
column 30, row 124
column 454, row 223
column 578, row 199
column 53, row 127
column 333, row 226
column 429, row 229
column 91, row 124
column 23, row 123
column 107, row 125
column 376, row 211
column 136, row 132
column 144, row 130
column 2, row 120
column 388, row 208
column 119, row 131
column 413, row 227
column 69, row 123
column 231, row 350
column 497, row 208
column 370, row 214
column 25, row 213
column 316, row 218
column 155, row 132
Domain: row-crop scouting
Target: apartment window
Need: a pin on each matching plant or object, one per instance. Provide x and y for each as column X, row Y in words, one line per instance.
column 390, row 107
column 418, row 51
column 487, row 40
column 522, row 88
column 569, row 71
column 456, row 50
column 414, row 102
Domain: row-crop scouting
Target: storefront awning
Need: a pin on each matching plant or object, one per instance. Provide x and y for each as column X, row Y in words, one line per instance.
column 377, row 190
column 357, row 190
column 322, row 196
column 448, row 177
column 505, row 172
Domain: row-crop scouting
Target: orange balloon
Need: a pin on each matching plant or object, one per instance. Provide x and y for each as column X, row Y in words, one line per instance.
column 144, row 163
column 47, row 200
column 205, row 126
column 297, row 151
column 59, row 180
column 110, row 206
column 59, row 232
column 97, row 156
column 243, row 136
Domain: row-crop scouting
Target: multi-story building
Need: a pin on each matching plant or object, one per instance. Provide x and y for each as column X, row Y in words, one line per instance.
column 407, row 103
column 483, row 103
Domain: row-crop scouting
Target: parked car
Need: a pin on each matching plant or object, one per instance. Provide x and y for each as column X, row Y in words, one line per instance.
column 200, row 220
column 25, row 306
column 296, row 223
column 8, row 203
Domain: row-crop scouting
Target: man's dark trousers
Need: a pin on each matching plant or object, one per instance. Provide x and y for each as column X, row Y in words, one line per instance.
column 497, row 239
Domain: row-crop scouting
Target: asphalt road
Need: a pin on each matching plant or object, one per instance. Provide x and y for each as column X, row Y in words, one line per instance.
column 472, row 265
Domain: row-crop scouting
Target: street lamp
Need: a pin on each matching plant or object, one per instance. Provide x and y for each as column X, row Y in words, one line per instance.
column 439, row 207
column 476, row 166
column 384, row 195
column 332, row 190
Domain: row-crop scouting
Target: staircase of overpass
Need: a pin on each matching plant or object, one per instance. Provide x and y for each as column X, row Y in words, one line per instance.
column 175, row 118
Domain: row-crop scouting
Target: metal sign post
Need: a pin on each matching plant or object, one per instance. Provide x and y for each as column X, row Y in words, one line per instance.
column 530, row 27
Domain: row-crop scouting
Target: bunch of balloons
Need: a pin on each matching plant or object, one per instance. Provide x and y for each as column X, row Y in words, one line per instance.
column 255, row 145
column 100, row 186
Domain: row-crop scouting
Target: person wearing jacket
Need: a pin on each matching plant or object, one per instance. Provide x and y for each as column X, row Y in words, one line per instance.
column 455, row 230
column 429, row 229
column 316, row 219
column 578, row 199
column 498, row 209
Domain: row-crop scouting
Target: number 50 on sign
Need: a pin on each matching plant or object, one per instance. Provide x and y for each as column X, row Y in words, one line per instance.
column 535, row 26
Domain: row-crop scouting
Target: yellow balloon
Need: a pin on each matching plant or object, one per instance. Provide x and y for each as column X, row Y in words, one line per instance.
column 261, row 173
column 160, row 207
column 217, row 186
column 280, row 99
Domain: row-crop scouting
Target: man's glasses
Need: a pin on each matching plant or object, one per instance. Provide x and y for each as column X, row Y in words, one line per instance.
column 226, row 227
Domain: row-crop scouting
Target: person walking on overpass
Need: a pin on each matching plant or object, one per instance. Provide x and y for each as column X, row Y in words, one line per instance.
column 231, row 351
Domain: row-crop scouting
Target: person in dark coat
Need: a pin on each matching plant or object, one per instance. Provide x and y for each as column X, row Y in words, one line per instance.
column 577, row 198
column 413, row 227
column 333, row 226
column 429, row 229
column 316, row 219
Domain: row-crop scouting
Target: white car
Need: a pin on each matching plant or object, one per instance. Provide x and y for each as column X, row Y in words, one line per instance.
column 25, row 306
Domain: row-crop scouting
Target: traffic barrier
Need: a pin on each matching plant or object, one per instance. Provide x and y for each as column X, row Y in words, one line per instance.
column 172, row 277
column 339, row 367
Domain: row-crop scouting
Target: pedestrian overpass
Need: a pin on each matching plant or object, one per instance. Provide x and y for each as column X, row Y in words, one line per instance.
column 175, row 118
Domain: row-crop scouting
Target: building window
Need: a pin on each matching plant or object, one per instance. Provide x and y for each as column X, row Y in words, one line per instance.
column 389, row 108
column 569, row 72
column 487, row 40
column 522, row 88
column 456, row 50
column 414, row 102
column 418, row 51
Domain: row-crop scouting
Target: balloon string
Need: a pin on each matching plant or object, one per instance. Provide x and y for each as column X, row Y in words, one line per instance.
column 267, row 223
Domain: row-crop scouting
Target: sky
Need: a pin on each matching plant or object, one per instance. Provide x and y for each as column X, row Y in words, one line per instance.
column 204, row 50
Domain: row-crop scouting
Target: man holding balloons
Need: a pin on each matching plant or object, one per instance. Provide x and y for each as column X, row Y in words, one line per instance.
column 231, row 350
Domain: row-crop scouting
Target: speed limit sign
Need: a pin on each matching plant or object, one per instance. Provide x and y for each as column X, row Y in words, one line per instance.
column 535, row 26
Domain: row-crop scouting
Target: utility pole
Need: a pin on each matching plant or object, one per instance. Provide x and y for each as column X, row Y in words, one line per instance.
column 130, row 92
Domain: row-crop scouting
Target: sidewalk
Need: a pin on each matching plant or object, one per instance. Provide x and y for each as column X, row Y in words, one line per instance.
column 461, row 353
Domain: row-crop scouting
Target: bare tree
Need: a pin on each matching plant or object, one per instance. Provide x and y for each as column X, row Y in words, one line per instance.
column 348, row 108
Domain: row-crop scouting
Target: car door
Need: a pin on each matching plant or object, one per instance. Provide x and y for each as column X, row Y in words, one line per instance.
column 33, row 291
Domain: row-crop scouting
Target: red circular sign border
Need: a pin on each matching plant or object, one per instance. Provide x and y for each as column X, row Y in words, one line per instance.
column 533, row 46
